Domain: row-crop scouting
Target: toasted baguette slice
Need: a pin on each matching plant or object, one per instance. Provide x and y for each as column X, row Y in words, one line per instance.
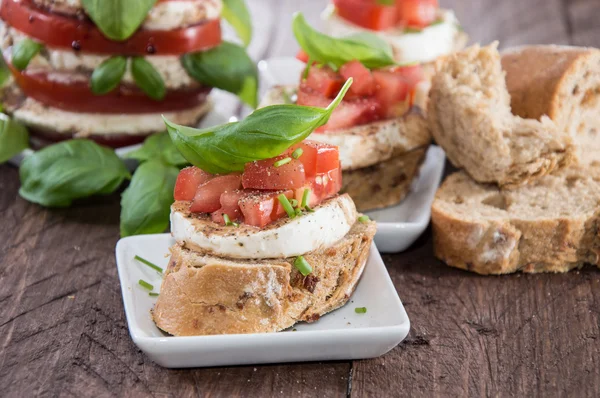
column 470, row 117
column 548, row 226
column 203, row 294
column 563, row 83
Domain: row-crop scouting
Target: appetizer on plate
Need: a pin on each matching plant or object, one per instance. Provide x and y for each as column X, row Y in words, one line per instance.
column 382, row 137
column 263, row 238
column 108, row 71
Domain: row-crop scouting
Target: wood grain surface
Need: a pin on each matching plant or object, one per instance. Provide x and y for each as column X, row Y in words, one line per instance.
column 63, row 330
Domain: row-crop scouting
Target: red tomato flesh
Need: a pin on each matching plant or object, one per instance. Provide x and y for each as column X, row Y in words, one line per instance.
column 302, row 56
column 324, row 80
column 263, row 174
column 317, row 157
column 262, row 208
column 412, row 74
column 208, row 195
column 418, row 13
column 392, row 91
column 229, row 205
column 363, row 83
column 188, row 181
column 367, row 13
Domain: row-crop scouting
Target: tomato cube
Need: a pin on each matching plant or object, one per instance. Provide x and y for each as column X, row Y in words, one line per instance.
column 302, row 56
column 188, row 181
column 367, row 13
column 230, row 206
column 317, row 157
column 324, row 80
column 413, row 75
column 363, row 83
column 392, row 92
column 263, row 174
column 208, row 195
column 418, row 13
column 260, row 208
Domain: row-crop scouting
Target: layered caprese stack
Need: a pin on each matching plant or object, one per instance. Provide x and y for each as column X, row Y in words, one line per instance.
column 108, row 70
column 264, row 243
column 382, row 137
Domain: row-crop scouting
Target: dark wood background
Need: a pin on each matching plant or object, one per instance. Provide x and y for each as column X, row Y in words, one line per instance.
column 63, row 330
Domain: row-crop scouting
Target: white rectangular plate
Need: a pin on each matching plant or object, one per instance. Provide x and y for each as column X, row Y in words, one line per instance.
column 398, row 226
column 341, row 334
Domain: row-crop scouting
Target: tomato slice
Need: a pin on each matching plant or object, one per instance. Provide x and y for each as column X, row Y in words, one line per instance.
column 418, row 13
column 317, row 157
column 263, row 174
column 188, row 181
column 229, row 205
column 76, row 96
column 363, row 83
column 57, row 30
column 324, row 80
column 367, row 13
column 208, row 195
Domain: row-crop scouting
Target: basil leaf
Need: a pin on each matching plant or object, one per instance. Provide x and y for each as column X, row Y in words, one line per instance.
column 147, row 78
column 146, row 203
column 158, row 146
column 118, row 19
column 4, row 72
column 23, row 52
column 13, row 138
column 108, row 75
column 61, row 173
column 237, row 15
column 227, row 67
column 264, row 134
column 368, row 48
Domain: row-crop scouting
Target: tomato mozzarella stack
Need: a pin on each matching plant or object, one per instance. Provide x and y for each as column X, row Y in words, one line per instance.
column 72, row 79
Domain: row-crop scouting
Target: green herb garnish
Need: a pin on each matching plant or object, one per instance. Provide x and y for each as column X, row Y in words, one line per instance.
column 364, row 218
column 287, row 206
column 228, row 221
column 149, row 264
column 302, row 265
column 410, row 29
column 118, row 19
column 236, row 14
column 438, row 21
column 297, row 153
column 23, row 52
column 152, row 294
column 107, row 76
column 386, row 2
column 294, row 202
column 145, row 284
column 13, row 138
column 360, row 310
column 305, row 199
column 147, row 78
column 281, row 162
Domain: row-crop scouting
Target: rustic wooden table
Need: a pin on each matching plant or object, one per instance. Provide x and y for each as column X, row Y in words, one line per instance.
column 63, row 329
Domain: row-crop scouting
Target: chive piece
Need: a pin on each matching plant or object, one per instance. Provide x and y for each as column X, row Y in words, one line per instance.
column 305, row 72
column 360, row 310
column 294, row 202
column 297, row 153
column 145, row 284
column 364, row 218
column 228, row 221
column 152, row 294
column 298, row 212
column 281, row 162
column 305, row 197
column 287, row 206
column 437, row 22
column 412, row 30
column 149, row 264
column 302, row 265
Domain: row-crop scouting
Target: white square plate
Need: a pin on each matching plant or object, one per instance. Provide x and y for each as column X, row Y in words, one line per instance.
column 341, row 334
column 398, row 226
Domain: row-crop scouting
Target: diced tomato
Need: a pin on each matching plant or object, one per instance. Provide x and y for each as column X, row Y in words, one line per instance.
column 367, row 13
column 324, row 80
column 261, row 208
column 317, row 157
column 263, row 174
column 302, row 56
column 323, row 186
column 188, row 181
column 412, row 74
column 419, row 13
column 229, row 205
column 363, row 84
column 278, row 210
column 392, row 91
column 208, row 195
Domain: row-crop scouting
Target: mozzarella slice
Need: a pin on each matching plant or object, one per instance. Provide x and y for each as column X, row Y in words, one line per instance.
column 415, row 47
column 286, row 237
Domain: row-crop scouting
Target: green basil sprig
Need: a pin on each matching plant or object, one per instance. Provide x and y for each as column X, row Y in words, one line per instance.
column 13, row 138
column 266, row 133
column 147, row 78
column 158, row 146
column 369, row 49
column 107, row 76
column 145, row 205
column 118, row 19
column 23, row 52
column 227, row 67
column 61, row 173
column 237, row 15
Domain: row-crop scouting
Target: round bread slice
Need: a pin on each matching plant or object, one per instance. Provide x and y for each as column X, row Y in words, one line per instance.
column 203, row 294
column 548, row 226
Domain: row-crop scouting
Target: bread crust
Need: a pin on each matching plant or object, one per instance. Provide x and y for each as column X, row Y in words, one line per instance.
column 469, row 116
column 203, row 294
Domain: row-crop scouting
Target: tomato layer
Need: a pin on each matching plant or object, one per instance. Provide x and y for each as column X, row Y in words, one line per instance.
column 373, row 15
column 57, row 30
column 76, row 96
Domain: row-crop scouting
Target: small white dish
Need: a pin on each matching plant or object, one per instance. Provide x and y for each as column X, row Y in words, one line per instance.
column 398, row 226
column 341, row 334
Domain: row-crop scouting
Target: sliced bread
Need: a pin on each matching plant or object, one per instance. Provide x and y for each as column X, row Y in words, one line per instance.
column 548, row 226
column 470, row 118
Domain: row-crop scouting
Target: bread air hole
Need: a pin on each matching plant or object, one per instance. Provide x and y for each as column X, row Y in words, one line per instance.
column 572, row 181
column 498, row 201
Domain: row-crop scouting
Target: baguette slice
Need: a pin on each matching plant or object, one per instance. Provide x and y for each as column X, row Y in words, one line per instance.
column 548, row 226
column 202, row 294
column 563, row 83
column 470, row 117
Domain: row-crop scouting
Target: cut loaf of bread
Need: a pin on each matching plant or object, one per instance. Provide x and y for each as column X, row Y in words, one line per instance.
column 562, row 83
column 470, row 118
column 550, row 225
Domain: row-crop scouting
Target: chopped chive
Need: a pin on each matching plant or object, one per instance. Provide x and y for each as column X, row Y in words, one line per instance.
column 228, row 221
column 360, row 310
column 294, row 202
column 297, row 153
column 437, row 22
column 281, row 162
column 305, row 72
column 412, row 30
column 149, row 264
column 305, row 197
column 152, row 294
column 145, row 284
column 302, row 265
column 298, row 212
column 287, row 206
column 364, row 218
